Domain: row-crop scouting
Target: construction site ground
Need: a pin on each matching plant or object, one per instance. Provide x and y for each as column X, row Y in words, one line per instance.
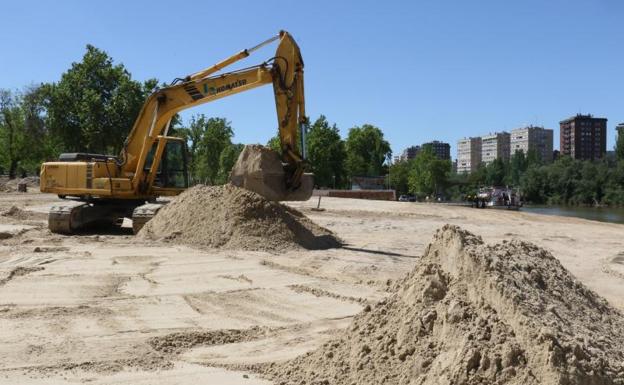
column 110, row 309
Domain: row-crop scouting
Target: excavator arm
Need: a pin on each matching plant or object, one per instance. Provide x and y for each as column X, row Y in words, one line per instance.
column 284, row 71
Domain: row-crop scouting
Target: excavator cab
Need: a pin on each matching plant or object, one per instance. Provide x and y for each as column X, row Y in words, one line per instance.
column 172, row 171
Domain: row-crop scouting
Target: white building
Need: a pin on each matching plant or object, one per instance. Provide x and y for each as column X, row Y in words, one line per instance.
column 538, row 139
column 495, row 146
column 468, row 155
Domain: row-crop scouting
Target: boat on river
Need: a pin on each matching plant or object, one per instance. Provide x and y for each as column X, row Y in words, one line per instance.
column 496, row 198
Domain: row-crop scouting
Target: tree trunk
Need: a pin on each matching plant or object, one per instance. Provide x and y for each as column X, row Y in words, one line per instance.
column 13, row 169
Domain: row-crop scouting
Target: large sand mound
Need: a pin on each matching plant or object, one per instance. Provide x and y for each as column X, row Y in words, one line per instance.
column 470, row 313
column 234, row 218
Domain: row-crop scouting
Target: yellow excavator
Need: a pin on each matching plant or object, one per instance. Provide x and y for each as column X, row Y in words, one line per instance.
column 104, row 189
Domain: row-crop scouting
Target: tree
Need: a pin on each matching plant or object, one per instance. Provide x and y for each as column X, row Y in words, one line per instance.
column 478, row 178
column 533, row 158
column 619, row 144
column 533, row 182
column 12, row 132
column 208, row 138
column 228, row 157
column 517, row 166
column 366, row 151
column 326, row 153
column 274, row 144
column 398, row 174
column 495, row 172
column 428, row 174
column 23, row 137
column 94, row 105
column 614, row 190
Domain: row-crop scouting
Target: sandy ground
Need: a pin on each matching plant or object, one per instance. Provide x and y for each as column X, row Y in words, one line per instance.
column 108, row 309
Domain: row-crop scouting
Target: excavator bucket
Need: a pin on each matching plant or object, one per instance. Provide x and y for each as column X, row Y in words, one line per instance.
column 260, row 169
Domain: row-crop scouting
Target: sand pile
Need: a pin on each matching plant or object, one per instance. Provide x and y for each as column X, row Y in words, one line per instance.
column 470, row 313
column 19, row 214
column 179, row 342
column 234, row 218
column 10, row 185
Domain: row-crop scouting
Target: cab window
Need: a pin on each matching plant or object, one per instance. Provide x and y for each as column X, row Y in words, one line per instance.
column 172, row 170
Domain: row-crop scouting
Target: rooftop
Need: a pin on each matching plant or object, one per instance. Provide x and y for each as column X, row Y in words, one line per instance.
column 495, row 134
column 581, row 116
column 531, row 127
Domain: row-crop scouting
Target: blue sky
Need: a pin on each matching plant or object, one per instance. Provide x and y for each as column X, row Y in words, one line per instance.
column 420, row 70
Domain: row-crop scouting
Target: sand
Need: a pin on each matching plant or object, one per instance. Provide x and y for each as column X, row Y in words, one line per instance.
column 471, row 313
column 19, row 214
column 112, row 309
column 234, row 218
column 10, row 185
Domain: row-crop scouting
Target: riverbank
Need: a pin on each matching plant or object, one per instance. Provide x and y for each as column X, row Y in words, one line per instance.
column 602, row 214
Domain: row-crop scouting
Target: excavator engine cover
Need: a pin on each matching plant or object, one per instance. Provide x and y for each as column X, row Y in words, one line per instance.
column 260, row 169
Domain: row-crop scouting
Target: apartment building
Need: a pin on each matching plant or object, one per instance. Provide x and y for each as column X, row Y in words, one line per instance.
column 495, row 146
column 441, row 150
column 532, row 138
column 583, row 137
column 468, row 155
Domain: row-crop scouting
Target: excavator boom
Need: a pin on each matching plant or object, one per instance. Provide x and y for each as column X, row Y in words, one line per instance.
column 285, row 71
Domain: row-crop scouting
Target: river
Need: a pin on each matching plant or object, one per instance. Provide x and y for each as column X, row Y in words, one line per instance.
column 602, row 214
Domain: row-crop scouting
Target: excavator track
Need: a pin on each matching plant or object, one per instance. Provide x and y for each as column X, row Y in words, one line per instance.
column 142, row 214
column 71, row 217
column 64, row 218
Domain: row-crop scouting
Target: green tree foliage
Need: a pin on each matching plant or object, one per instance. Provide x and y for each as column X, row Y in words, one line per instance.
column 517, row 167
column 533, row 184
column 614, row 190
column 496, row 172
column 12, row 131
column 94, row 105
column 228, row 157
column 43, row 146
column 208, row 138
column 425, row 175
column 398, row 173
column 619, row 144
column 428, row 174
column 274, row 144
column 23, row 137
column 479, row 177
column 565, row 181
column 326, row 153
column 367, row 151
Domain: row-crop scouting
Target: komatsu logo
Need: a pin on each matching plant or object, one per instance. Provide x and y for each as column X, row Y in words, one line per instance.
column 211, row 90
